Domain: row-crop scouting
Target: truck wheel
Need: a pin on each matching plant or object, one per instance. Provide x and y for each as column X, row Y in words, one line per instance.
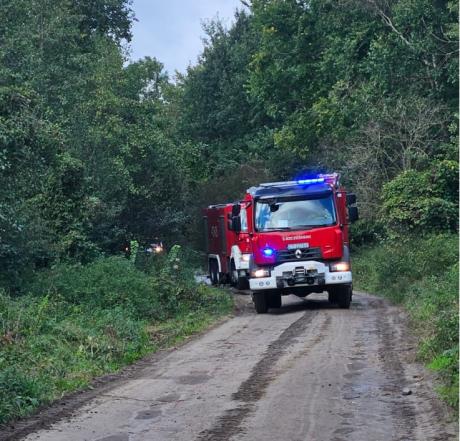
column 242, row 283
column 344, row 293
column 274, row 300
column 260, row 302
column 233, row 274
column 214, row 271
column 332, row 297
column 237, row 281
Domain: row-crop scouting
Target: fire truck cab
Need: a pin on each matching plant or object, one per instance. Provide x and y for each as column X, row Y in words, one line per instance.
column 284, row 238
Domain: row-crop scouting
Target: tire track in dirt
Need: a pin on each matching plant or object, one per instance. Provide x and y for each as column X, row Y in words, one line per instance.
column 403, row 410
column 406, row 410
column 262, row 374
column 307, row 371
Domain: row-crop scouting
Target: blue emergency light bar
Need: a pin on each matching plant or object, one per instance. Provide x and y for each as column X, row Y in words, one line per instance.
column 310, row 181
column 293, row 183
column 332, row 178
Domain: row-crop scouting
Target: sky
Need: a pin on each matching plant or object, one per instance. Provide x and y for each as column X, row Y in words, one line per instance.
column 171, row 30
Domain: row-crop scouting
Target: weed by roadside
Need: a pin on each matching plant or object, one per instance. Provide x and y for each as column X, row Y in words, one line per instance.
column 421, row 274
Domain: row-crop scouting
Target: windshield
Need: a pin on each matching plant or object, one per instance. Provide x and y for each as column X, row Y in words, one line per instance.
column 294, row 214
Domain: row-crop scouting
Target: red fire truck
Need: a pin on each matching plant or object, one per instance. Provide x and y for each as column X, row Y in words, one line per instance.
column 284, row 238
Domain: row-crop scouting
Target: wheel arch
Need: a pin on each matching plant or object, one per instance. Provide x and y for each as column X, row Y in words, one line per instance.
column 214, row 257
column 235, row 255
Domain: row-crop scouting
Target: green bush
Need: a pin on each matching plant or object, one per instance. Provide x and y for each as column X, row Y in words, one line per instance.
column 365, row 232
column 423, row 201
column 107, row 282
column 421, row 273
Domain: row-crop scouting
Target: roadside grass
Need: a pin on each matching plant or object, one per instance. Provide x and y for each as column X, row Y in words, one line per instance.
column 79, row 322
column 422, row 274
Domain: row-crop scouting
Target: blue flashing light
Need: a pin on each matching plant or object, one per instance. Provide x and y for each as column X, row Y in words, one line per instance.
column 310, row 181
column 268, row 252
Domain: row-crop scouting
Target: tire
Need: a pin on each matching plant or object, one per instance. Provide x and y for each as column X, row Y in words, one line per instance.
column 233, row 274
column 214, row 272
column 260, row 302
column 344, row 294
column 274, row 300
column 240, row 283
column 332, row 297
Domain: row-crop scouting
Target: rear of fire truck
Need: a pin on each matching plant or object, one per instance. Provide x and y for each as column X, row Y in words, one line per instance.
column 227, row 244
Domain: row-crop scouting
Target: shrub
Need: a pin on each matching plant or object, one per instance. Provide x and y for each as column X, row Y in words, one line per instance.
column 105, row 283
column 365, row 232
column 423, row 201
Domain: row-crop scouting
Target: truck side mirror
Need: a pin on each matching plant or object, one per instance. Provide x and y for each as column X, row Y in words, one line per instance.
column 236, row 208
column 236, row 224
column 353, row 214
column 351, row 199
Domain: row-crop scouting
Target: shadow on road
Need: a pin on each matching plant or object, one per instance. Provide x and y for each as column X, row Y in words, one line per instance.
column 290, row 303
column 294, row 304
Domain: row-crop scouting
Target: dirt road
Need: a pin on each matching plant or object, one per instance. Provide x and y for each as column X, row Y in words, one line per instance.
column 306, row 372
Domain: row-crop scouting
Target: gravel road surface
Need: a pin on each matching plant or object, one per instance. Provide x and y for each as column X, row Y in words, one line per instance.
column 305, row 372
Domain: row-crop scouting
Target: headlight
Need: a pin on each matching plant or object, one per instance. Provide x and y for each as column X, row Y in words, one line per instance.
column 339, row 266
column 261, row 272
column 245, row 257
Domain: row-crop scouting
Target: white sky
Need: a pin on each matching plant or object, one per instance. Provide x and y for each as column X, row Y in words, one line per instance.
column 171, row 31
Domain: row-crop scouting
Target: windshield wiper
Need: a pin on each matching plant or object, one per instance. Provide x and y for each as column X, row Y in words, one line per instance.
column 309, row 227
column 277, row 229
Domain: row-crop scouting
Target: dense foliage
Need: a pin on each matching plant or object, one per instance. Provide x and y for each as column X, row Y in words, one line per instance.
column 87, row 161
column 365, row 88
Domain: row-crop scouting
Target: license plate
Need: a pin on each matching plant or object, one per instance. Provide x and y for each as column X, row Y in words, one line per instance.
column 295, row 246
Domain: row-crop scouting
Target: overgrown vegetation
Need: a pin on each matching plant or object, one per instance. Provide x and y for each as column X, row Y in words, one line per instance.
column 422, row 274
column 80, row 321
column 97, row 152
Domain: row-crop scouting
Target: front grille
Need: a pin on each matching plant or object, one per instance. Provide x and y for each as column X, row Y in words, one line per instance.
column 306, row 254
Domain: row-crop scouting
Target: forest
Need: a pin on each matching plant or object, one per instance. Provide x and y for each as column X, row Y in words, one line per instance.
column 99, row 154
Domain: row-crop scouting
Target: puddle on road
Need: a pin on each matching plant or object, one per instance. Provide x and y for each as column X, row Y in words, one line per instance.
column 170, row 398
column 148, row 414
column 193, row 379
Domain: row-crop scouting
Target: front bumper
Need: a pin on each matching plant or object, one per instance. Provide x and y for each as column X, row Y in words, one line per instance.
column 298, row 274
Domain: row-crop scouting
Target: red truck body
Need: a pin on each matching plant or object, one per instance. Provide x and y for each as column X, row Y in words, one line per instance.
column 284, row 238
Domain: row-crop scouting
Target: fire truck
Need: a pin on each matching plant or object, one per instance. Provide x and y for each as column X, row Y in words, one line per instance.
column 284, row 238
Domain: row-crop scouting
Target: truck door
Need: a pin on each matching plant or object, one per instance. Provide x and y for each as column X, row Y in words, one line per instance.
column 243, row 236
column 341, row 198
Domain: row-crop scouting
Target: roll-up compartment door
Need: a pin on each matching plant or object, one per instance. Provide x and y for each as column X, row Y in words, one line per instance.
column 223, row 235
